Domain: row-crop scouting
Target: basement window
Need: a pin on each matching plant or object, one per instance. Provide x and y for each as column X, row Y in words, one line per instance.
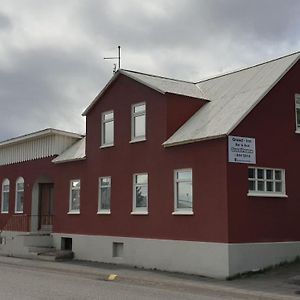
column 66, row 243
column 118, row 249
column 266, row 182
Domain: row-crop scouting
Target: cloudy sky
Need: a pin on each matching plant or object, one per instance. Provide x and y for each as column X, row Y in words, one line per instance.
column 51, row 52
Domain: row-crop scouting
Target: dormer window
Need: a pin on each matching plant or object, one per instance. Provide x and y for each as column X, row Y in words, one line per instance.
column 138, row 122
column 107, row 129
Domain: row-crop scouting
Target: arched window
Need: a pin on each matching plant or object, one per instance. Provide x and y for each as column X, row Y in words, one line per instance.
column 19, row 203
column 5, row 196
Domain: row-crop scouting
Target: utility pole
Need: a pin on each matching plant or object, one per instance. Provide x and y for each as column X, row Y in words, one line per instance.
column 118, row 58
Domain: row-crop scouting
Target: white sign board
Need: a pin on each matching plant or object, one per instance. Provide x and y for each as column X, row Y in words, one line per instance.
column 241, row 150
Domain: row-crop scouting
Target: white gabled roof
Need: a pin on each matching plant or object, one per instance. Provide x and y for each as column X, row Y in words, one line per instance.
column 167, row 85
column 161, row 84
column 232, row 97
column 73, row 153
column 39, row 134
column 36, row 145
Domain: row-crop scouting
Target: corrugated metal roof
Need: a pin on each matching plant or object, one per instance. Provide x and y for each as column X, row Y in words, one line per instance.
column 39, row 134
column 167, row 85
column 232, row 97
column 73, row 153
column 161, row 84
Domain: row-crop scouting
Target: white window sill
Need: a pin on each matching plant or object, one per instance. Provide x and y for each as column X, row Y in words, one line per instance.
column 297, row 131
column 182, row 213
column 74, row 213
column 103, row 212
column 106, row 146
column 4, row 212
column 141, row 213
column 269, row 195
column 18, row 212
column 137, row 140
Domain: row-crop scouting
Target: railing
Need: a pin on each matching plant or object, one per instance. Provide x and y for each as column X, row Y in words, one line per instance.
column 23, row 222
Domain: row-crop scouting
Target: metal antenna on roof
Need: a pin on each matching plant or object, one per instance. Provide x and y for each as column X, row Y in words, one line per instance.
column 118, row 58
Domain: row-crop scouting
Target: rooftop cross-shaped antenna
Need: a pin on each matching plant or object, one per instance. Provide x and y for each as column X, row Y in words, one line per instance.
column 118, row 58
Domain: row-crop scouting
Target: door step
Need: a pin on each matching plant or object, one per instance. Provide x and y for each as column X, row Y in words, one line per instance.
column 54, row 255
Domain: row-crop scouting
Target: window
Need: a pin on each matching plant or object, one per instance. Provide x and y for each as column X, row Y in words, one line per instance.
column 74, row 196
column 138, row 122
column 140, row 193
column 19, row 201
column 297, row 111
column 104, row 195
column 266, row 181
column 5, row 196
column 183, row 190
column 107, row 133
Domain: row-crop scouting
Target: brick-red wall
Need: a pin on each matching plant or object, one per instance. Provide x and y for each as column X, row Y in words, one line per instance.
column 207, row 159
column 272, row 124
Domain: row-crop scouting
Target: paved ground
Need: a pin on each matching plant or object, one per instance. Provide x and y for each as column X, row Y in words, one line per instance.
column 31, row 279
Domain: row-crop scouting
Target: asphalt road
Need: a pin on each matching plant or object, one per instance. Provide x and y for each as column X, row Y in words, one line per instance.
column 19, row 282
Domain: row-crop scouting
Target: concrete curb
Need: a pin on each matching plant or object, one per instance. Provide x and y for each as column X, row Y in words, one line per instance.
column 100, row 274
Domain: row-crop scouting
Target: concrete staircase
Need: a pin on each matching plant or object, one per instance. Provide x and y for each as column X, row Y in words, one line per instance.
column 34, row 245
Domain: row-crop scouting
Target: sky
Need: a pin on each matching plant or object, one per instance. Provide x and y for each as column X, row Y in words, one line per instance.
column 51, row 52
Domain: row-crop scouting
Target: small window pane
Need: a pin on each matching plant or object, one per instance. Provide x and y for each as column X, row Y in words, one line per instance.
column 5, row 202
column 298, row 117
column 270, row 174
column 75, row 199
column 139, row 126
column 278, row 174
column 251, row 185
column 105, row 198
column 278, row 186
column 141, row 196
column 6, row 188
column 108, row 133
column 140, row 179
column 76, row 184
column 139, row 108
column 251, row 173
column 20, row 201
column 184, row 175
column 108, row 116
column 260, row 173
column 105, row 181
column 184, row 195
column 270, row 186
column 261, row 186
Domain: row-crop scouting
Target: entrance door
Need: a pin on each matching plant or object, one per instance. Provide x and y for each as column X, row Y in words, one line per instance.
column 46, row 200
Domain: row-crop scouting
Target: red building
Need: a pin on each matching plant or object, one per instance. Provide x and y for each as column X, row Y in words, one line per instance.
column 191, row 177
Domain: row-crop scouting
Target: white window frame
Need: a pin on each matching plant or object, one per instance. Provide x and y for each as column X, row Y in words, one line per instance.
column 179, row 210
column 71, row 210
column 297, row 107
column 265, row 193
column 103, row 123
column 19, row 180
column 133, row 116
column 139, row 210
column 5, row 182
column 101, row 210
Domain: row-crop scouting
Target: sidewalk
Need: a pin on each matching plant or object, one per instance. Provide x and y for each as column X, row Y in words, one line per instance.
column 280, row 283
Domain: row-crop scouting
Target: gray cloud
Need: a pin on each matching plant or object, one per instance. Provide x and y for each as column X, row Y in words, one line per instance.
column 5, row 22
column 51, row 53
